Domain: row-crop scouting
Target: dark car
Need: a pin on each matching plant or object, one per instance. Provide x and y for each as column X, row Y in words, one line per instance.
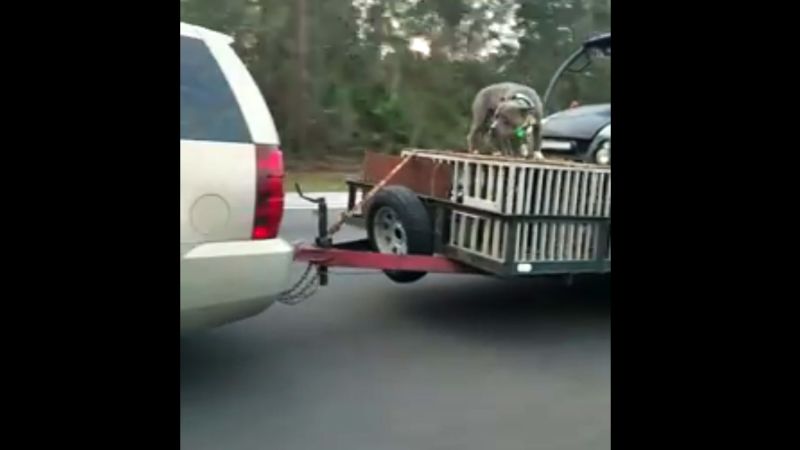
column 580, row 133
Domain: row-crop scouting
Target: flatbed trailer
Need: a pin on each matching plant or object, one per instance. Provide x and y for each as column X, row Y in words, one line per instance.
column 452, row 212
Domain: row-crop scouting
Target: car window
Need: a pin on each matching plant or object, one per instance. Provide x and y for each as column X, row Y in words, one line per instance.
column 209, row 111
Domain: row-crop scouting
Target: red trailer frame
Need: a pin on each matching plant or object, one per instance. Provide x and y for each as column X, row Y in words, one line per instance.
column 357, row 254
column 432, row 182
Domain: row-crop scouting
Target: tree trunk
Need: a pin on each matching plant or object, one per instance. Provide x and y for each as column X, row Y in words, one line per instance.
column 299, row 104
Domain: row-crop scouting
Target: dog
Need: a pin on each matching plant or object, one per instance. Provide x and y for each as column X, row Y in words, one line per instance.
column 511, row 115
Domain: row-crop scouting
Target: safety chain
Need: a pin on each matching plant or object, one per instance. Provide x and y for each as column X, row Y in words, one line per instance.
column 305, row 287
column 308, row 284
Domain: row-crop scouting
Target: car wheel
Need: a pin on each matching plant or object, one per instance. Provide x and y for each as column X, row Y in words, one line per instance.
column 399, row 223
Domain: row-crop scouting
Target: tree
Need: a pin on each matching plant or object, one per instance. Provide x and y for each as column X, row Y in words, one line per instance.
column 339, row 75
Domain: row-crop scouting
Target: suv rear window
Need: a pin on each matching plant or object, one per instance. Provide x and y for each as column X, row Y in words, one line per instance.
column 209, row 111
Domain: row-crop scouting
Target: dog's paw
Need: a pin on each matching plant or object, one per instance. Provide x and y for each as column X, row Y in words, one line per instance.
column 538, row 155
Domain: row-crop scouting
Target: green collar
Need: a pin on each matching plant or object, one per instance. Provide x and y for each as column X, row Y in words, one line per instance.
column 522, row 131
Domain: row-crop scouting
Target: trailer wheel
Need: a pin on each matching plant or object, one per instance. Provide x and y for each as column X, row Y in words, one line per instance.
column 398, row 222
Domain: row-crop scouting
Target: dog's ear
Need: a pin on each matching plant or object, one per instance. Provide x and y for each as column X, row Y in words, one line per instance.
column 523, row 103
column 523, row 106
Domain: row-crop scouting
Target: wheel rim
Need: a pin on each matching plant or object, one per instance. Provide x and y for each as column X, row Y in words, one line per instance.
column 390, row 236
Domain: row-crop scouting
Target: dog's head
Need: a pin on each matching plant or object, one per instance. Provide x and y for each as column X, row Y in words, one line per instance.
column 513, row 114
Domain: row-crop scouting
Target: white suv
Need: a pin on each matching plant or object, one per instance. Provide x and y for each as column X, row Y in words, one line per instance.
column 233, row 265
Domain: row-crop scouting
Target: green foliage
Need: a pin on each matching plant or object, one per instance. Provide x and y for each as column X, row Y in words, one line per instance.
column 365, row 89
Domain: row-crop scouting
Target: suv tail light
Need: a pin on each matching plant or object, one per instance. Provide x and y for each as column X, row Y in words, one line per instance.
column 269, row 192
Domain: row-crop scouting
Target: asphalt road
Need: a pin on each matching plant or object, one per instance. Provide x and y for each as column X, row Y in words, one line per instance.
column 450, row 362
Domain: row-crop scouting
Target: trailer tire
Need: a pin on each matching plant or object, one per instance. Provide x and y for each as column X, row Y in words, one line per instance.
column 398, row 222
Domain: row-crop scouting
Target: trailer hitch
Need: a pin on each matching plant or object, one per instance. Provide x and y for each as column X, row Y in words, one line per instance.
column 323, row 239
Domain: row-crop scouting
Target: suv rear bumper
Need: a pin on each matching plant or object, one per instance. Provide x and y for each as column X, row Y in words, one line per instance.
column 227, row 281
